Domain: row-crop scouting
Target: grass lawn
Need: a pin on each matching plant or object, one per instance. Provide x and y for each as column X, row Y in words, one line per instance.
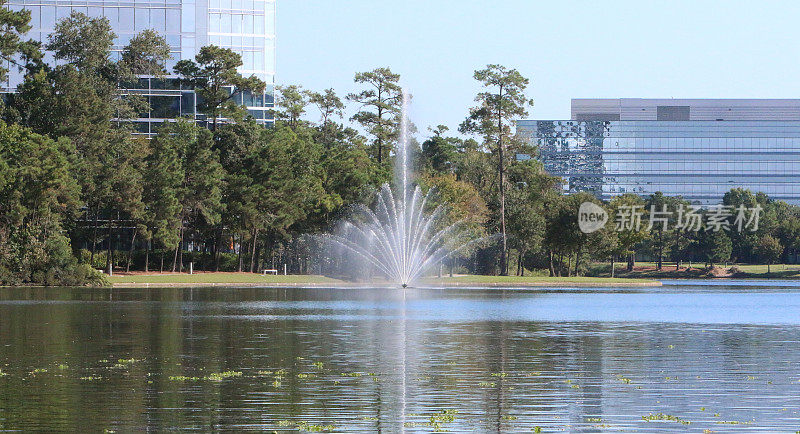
column 648, row 270
column 216, row 278
column 503, row 279
column 532, row 280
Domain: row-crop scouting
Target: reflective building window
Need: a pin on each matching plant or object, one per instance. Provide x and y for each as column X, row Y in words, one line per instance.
column 699, row 160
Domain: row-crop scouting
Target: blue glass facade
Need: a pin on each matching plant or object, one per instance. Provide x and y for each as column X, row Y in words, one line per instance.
column 245, row 26
column 699, row 160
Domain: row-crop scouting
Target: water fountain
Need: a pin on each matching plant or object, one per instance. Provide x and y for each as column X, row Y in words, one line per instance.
column 401, row 237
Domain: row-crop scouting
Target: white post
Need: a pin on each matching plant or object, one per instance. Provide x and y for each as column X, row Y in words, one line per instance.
column 191, row 268
column 110, row 269
column 284, row 269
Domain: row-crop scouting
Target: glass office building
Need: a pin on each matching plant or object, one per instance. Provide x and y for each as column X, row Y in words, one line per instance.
column 245, row 26
column 660, row 145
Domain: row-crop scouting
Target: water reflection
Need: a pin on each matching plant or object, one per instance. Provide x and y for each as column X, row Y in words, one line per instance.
column 387, row 360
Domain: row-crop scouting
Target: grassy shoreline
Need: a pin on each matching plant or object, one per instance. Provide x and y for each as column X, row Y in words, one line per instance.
column 648, row 270
column 536, row 281
column 645, row 274
column 134, row 280
column 141, row 280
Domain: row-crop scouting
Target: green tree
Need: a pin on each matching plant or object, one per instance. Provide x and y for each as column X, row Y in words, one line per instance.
column 788, row 230
column 562, row 235
column 604, row 244
column 744, row 241
column 769, row 250
column 463, row 206
column 287, row 183
column 330, row 106
column 476, row 167
column 348, row 174
column 214, row 77
column 194, row 183
column 13, row 49
column 381, row 103
column 492, row 119
column 79, row 99
column 145, row 54
column 628, row 210
column 83, row 42
column 37, row 194
column 661, row 214
column 236, row 143
column 530, row 188
column 439, row 153
column 291, row 101
column 597, row 242
column 274, row 179
column 716, row 246
column 163, row 178
column 680, row 246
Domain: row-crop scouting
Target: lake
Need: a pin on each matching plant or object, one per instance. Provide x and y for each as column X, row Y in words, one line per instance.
column 691, row 355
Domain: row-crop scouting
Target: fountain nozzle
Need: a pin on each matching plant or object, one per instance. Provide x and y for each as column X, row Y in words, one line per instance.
column 405, row 285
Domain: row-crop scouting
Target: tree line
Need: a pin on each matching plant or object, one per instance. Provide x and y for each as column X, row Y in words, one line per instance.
column 79, row 192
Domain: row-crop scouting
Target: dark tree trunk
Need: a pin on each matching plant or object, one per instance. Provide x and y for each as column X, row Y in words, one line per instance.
column 569, row 265
column 180, row 250
column 660, row 258
column 379, row 140
column 612, row 265
column 109, row 258
column 239, row 269
column 130, row 252
column 253, row 251
column 260, row 256
column 501, row 171
column 147, row 257
column 217, row 247
column 94, row 236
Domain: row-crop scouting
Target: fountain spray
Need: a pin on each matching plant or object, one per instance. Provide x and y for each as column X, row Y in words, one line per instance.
column 401, row 237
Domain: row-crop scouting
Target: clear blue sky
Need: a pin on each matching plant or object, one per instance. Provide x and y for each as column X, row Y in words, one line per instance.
column 578, row 49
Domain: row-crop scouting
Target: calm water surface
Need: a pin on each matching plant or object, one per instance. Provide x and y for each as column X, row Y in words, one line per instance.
column 686, row 356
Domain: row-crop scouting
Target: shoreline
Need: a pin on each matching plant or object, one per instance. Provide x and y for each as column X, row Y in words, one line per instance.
column 344, row 285
column 252, row 280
